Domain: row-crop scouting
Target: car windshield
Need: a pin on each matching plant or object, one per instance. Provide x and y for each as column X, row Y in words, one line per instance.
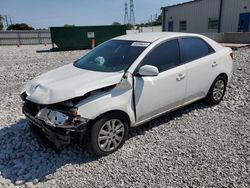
column 112, row 56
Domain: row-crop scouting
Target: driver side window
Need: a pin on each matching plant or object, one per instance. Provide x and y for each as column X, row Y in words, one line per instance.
column 165, row 56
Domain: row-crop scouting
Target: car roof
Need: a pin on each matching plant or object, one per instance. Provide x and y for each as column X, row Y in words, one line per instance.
column 151, row 37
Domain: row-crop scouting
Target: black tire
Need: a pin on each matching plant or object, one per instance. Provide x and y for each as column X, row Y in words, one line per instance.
column 99, row 124
column 210, row 98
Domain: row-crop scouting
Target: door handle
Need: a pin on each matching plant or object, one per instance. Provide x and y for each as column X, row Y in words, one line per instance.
column 180, row 77
column 214, row 64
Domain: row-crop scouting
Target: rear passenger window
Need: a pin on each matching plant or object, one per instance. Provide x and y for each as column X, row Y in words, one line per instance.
column 165, row 56
column 195, row 48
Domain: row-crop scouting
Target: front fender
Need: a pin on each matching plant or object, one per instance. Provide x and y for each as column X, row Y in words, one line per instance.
column 118, row 98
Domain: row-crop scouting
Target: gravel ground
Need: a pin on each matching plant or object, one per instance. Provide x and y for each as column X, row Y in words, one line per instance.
column 197, row 146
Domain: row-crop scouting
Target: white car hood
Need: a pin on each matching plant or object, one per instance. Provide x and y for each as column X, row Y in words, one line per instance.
column 67, row 82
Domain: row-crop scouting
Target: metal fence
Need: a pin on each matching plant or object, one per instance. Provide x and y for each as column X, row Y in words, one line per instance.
column 146, row 30
column 25, row 37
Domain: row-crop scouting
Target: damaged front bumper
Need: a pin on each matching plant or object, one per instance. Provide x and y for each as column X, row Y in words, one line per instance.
column 53, row 126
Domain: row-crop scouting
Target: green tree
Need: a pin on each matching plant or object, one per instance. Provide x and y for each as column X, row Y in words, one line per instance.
column 69, row 25
column 1, row 23
column 116, row 23
column 21, row 26
column 156, row 21
column 129, row 26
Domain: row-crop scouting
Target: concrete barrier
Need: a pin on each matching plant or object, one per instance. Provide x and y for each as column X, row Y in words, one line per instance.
column 215, row 36
column 242, row 38
column 237, row 38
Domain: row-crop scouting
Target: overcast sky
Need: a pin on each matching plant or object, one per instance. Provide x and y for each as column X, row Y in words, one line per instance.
column 46, row 13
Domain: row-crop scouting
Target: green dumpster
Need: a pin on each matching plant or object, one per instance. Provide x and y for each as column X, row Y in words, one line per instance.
column 83, row 37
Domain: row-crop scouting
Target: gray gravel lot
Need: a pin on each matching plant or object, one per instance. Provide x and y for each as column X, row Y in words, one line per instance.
column 197, row 146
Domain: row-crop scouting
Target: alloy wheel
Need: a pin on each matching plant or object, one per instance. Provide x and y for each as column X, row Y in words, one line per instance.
column 110, row 135
column 218, row 90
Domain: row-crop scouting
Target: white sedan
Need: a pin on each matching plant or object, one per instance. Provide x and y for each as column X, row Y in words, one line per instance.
column 124, row 83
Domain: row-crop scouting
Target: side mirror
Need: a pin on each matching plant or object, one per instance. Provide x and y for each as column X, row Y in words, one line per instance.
column 148, row 70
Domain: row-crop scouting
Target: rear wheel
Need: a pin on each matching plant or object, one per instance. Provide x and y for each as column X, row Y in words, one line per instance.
column 108, row 134
column 217, row 91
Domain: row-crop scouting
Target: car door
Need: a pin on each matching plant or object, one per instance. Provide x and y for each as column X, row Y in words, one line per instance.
column 200, row 61
column 154, row 95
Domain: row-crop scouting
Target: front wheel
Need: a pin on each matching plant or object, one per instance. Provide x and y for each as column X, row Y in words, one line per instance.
column 108, row 134
column 217, row 91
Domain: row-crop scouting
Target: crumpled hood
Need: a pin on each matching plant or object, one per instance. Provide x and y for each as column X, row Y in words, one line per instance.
column 67, row 82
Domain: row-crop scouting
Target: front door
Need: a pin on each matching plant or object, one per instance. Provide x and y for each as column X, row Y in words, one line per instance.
column 244, row 22
column 154, row 95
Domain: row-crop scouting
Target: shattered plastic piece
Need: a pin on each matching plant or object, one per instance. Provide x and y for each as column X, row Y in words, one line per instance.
column 53, row 118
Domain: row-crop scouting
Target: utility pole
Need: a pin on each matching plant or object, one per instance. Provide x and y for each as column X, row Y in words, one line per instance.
column 132, row 13
column 10, row 20
column 156, row 16
column 151, row 20
column 126, row 21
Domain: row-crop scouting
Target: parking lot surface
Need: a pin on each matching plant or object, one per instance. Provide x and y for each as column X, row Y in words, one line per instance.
column 196, row 146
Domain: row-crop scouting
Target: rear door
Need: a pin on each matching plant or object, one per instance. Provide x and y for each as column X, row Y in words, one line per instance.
column 154, row 95
column 201, row 61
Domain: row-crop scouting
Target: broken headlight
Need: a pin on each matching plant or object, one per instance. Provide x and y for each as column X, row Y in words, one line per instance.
column 60, row 119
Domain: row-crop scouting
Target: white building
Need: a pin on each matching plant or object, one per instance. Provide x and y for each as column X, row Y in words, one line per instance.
column 208, row 16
